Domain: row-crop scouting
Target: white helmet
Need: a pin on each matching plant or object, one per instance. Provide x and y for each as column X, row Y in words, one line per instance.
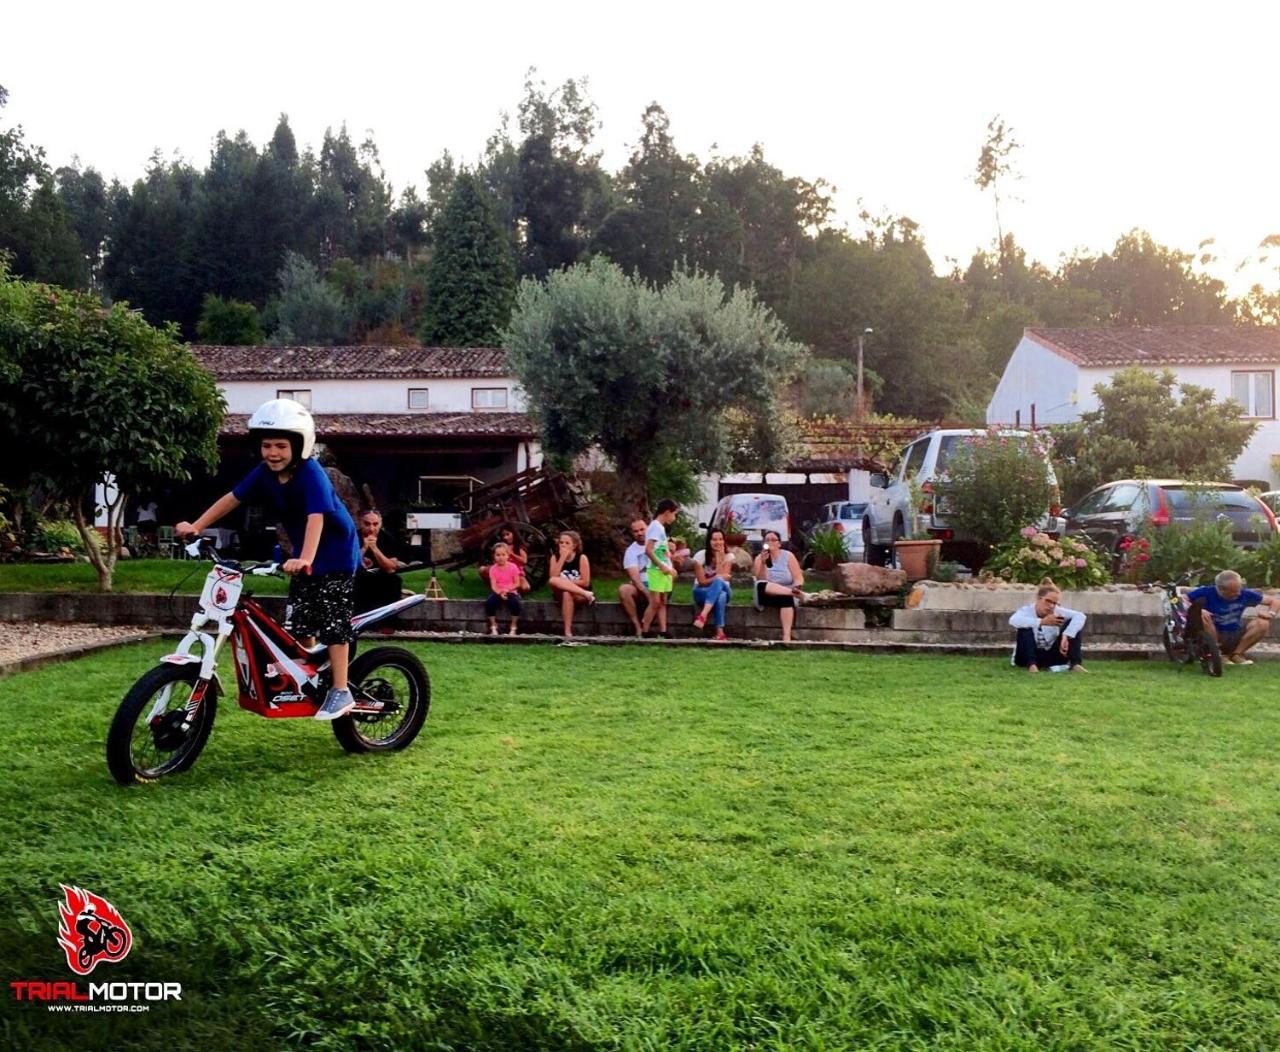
column 284, row 416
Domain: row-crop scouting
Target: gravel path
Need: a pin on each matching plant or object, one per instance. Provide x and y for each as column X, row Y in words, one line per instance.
column 31, row 638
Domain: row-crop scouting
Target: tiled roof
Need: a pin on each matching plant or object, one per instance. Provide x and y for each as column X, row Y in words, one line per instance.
column 408, row 425
column 350, row 363
column 1164, row 344
column 842, row 445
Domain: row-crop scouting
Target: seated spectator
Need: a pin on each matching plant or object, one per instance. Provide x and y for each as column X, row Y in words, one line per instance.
column 1225, row 602
column 378, row 579
column 1048, row 633
column 779, row 580
column 504, row 589
column 148, row 525
column 570, row 579
column 507, row 534
column 680, row 554
column 712, row 571
column 634, row 594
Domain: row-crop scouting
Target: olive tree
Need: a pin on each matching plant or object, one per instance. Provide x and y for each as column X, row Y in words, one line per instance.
column 91, row 395
column 647, row 372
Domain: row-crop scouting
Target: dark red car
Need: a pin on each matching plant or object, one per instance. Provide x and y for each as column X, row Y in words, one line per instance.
column 1112, row 512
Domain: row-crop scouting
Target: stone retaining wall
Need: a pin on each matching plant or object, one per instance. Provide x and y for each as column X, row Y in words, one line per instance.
column 928, row 622
column 836, row 624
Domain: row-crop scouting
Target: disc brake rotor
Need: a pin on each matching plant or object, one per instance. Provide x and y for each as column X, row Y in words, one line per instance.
column 170, row 730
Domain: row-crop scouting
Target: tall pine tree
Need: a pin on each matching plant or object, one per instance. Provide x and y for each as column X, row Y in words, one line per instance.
column 472, row 279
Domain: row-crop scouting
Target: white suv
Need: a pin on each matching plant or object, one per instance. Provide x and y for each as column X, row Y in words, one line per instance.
column 888, row 512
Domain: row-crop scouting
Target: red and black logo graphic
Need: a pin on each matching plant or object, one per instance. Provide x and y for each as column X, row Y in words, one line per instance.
column 91, row 930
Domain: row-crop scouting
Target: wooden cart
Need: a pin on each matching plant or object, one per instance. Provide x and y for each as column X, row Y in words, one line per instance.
column 535, row 502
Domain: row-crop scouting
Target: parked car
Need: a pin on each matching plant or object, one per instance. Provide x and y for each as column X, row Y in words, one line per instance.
column 754, row 513
column 888, row 513
column 1271, row 499
column 845, row 517
column 1111, row 512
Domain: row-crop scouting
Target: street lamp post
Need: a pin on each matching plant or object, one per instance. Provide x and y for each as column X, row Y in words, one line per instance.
column 861, row 405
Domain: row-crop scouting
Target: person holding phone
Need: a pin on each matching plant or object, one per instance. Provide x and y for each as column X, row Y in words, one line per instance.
column 1048, row 633
column 779, row 580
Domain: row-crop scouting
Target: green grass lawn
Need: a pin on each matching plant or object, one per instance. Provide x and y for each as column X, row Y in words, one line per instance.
column 162, row 575
column 633, row 848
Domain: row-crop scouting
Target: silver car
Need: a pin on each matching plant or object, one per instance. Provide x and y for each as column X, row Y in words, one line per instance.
column 890, row 517
column 845, row 517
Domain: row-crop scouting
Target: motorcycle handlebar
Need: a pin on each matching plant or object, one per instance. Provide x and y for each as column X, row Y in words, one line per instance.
column 205, row 547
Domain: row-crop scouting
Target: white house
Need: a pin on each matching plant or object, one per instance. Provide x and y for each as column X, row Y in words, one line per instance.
column 417, row 426
column 1052, row 373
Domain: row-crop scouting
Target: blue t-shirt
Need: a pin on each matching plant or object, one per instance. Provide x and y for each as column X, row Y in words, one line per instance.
column 1225, row 612
column 308, row 492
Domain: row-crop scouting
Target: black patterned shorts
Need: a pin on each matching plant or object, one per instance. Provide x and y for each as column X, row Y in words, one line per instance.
column 321, row 605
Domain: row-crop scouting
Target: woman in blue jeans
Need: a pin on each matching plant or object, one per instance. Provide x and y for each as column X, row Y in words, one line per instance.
column 712, row 572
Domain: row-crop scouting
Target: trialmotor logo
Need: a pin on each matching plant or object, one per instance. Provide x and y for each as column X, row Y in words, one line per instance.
column 90, row 930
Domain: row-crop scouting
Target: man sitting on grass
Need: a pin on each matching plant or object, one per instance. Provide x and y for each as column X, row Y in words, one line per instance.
column 1225, row 602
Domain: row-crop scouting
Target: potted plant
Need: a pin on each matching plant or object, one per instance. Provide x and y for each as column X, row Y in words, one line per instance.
column 734, row 535
column 826, row 545
column 918, row 551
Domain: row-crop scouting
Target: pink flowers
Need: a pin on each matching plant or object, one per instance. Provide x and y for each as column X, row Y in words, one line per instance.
column 1081, row 564
column 1028, row 531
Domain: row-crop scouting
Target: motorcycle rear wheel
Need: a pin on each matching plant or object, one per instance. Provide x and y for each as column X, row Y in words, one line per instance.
column 397, row 679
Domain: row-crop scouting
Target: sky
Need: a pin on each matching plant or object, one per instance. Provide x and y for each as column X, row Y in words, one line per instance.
column 1130, row 114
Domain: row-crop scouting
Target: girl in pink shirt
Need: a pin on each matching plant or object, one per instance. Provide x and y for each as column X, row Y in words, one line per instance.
column 504, row 582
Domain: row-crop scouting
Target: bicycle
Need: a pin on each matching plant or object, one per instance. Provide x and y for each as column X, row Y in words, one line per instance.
column 164, row 721
column 1185, row 640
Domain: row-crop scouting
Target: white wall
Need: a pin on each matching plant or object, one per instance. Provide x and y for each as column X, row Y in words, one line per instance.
column 1034, row 375
column 1255, row 461
column 371, row 396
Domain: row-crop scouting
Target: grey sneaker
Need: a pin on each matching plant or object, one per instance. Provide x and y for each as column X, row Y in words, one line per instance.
column 336, row 703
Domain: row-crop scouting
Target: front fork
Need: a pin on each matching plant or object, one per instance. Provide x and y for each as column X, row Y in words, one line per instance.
column 210, row 647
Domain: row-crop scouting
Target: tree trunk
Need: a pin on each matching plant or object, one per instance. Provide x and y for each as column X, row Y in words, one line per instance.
column 633, row 485
column 102, row 554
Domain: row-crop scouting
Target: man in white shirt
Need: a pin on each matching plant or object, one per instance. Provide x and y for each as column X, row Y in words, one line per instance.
column 634, row 594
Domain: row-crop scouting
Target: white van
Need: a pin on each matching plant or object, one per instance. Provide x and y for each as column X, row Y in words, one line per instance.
column 754, row 513
column 887, row 517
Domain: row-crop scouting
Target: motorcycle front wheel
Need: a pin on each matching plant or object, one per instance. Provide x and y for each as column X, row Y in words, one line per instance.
column 153, row 734
column 1210, row 656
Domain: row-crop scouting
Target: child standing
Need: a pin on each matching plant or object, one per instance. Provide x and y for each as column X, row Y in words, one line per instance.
column 661, row 571
column 504, row 585
column 293, row 485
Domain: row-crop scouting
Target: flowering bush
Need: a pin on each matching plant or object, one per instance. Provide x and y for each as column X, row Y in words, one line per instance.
column 1030, row 555
column 1203, row 546
column 993, row 483
column 1135, row 553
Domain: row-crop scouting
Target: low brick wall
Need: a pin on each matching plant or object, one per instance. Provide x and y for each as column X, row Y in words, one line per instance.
column 833, row 624
column 989, row 626
column 963, row 621
column 1006, row 598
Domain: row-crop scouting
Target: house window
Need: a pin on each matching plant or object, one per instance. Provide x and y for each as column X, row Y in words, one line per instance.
column 303, row 397
column 1255, row 392
column 417, row 398
column 488, row 398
